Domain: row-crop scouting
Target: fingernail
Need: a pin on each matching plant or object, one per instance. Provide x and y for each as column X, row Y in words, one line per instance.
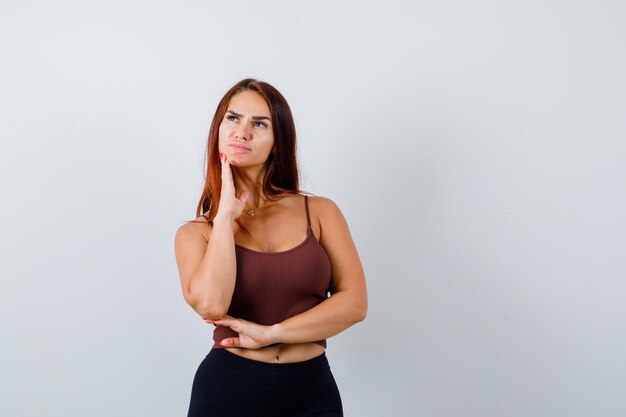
column 215, row 321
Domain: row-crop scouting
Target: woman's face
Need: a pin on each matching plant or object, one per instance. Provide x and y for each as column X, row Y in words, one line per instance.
column 245, row 133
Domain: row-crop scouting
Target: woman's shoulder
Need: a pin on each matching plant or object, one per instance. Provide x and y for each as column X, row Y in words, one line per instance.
column 322, row 207
column 321, row 202
column 331, row 223
column 198, row 227
column 299, row 194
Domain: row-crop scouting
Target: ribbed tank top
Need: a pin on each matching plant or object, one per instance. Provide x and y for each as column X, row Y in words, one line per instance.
column 272, row 286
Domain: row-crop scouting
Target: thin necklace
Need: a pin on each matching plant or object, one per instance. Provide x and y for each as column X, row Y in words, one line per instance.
column 251, row 212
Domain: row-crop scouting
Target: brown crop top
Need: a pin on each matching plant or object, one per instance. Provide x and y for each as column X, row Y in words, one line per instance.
column 272, row 286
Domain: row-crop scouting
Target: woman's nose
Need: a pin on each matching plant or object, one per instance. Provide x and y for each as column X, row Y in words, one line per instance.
column 243, row 131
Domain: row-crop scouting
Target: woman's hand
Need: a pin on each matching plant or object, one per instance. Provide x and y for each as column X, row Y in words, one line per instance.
column 230, row 205
column 251, row 335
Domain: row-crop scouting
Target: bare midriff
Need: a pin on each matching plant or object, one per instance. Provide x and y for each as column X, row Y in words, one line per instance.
column 281, row 353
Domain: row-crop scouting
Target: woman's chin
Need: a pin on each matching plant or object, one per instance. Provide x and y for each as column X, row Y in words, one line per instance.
column 241, row 163
column 236, row 163
column 234, row 160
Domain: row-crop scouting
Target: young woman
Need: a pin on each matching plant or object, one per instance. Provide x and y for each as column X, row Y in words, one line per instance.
column 274, row 270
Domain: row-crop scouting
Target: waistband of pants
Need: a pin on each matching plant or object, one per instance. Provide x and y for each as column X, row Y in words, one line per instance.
column 270, row 373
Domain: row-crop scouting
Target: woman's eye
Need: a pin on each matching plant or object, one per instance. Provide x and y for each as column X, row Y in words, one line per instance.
column 231, row 118
column 260, row 124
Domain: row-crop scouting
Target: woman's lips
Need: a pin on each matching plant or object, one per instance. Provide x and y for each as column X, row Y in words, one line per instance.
column 239, row 148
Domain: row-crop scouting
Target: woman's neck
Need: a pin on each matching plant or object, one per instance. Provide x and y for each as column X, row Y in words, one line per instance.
column 251, row 179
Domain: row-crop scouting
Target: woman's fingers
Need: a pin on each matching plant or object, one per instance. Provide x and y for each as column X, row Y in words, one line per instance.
column 251, row 335
column 229, row 203
column 231, row 342
column 227, row 174
column 229, row 322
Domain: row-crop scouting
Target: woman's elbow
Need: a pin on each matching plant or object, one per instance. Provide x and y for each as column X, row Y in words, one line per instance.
column 211, row 314
column 210, row 311
column 359, row 313
column 357, row 310
column 361, row 310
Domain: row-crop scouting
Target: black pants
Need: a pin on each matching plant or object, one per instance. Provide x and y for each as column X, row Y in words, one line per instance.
column 227, row 385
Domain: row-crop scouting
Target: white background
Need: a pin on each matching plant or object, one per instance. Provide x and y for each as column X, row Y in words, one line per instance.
column 477, row 150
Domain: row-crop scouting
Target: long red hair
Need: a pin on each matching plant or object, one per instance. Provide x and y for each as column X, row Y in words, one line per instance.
column 281, row 175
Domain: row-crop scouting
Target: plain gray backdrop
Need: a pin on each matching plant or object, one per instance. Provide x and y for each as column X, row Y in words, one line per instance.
column 476, row 148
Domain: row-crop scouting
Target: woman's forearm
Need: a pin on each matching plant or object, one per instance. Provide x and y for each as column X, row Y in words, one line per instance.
column 213, row 283
column 330, row 317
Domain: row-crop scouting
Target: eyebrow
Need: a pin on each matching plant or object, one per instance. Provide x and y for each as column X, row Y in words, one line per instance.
column 253, row 117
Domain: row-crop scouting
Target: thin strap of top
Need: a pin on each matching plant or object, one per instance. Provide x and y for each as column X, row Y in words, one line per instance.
column 306, row 205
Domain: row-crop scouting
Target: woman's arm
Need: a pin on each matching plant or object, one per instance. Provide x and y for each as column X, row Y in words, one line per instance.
column 346, row 306
column 348, row 303
column 208, row 269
